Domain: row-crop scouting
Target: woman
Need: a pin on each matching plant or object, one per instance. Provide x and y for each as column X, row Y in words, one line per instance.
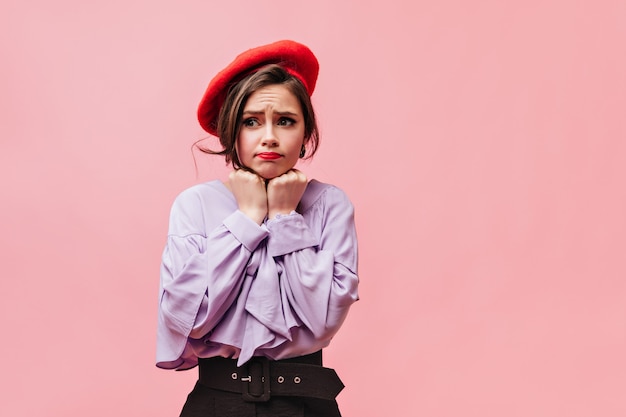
column 259, row 272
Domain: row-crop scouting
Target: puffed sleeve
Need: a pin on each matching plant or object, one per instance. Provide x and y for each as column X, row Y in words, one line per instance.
column 319, row 262
column 201, row 272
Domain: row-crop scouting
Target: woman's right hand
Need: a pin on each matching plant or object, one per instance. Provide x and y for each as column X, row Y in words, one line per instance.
column 250, row 192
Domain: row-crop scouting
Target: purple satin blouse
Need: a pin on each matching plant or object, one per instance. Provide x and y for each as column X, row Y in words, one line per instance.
column 232, row 288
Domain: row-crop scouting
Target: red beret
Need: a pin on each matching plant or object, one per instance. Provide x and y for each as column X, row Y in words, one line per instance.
column 296, row 58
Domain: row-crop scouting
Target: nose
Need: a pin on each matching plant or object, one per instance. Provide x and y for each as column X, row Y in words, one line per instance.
column 269, row 136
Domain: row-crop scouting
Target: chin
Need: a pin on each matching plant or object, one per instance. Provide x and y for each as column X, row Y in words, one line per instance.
column 269, row 174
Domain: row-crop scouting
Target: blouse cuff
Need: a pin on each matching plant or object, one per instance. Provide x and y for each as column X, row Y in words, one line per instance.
column 289, row 234
column 245, row 230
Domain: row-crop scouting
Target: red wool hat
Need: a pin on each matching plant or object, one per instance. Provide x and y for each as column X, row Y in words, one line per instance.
column 297, row 59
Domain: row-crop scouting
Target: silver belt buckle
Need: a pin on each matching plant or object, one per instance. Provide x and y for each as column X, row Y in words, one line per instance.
column 253, row 377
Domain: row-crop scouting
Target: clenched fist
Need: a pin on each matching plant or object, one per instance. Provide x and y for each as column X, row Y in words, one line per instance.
column 284, row 192
column 250, row 193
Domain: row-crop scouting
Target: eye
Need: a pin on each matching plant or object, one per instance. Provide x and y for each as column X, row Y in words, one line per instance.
column 250, row 122
column 286, row 121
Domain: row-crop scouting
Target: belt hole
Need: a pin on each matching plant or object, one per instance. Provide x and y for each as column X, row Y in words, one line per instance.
column 281, row 379
column 234, row 375
column 297, row 380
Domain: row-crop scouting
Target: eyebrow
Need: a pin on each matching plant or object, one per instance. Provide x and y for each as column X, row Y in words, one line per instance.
column 280, row 113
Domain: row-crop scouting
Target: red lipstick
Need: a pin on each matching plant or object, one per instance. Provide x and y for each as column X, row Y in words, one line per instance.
column 268, row 155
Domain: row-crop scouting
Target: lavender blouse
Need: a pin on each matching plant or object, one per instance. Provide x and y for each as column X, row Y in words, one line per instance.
column 232, row 288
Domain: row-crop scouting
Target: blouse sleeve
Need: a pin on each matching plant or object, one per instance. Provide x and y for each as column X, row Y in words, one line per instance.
column 319, row 273
column 200, row 274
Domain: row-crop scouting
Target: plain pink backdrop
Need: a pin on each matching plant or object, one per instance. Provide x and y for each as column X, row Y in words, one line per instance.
column 483, row 144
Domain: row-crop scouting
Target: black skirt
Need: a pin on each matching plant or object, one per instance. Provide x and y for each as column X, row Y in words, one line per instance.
column 206, row 401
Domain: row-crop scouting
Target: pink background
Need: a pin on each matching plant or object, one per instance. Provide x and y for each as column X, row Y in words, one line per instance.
column 483, row 144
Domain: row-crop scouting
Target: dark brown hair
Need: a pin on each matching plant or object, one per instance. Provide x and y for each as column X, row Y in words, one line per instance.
column 229, row 119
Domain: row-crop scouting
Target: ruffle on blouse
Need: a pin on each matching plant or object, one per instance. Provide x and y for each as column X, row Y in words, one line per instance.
column 257, row 321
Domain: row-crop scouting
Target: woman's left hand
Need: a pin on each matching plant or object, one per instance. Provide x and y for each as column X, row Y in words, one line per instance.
column 284, row 192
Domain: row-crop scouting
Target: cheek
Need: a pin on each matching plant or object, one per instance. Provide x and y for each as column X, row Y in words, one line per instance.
column 242, row 145
column 300, row 140
column 242, row 154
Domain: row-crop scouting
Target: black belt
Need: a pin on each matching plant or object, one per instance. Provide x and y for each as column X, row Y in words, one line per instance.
column 260, row 378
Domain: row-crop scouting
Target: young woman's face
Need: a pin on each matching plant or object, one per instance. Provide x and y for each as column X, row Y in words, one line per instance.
column 272, row 132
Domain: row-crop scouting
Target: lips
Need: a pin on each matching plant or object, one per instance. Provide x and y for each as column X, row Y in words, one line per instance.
column 268, row 156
